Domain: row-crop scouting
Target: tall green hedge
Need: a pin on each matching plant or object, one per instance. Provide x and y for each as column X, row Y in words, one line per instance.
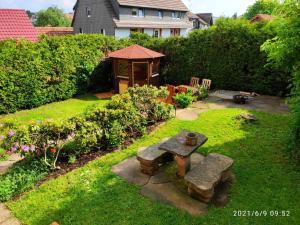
column 57, row 68
column 228, row 53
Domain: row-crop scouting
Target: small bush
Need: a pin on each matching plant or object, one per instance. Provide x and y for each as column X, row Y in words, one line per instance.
column 202, row 92
column 184, row 99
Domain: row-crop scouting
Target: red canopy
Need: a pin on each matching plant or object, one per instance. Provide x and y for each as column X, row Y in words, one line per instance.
column 135, row 52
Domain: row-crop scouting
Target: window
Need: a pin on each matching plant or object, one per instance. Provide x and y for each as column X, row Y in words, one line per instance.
column 157, row 33
column 136, row 30
column 80, row 30
column 138, row 12
column 176, row 15
column 134, row 12
column 122, row 68
column 175, row 32
column 102, row 31
column 141, row 13
column 88, row 12
column 160, row 14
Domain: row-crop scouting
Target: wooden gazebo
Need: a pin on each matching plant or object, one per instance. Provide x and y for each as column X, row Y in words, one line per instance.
column 135, row 65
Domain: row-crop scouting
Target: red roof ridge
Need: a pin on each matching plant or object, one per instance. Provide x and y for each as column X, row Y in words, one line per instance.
column 135, row 52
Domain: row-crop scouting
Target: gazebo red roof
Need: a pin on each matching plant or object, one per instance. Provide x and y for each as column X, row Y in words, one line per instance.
column 15, row 24
column 135, row 52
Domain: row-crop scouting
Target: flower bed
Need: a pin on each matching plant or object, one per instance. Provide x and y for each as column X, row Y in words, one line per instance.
column 124, row 118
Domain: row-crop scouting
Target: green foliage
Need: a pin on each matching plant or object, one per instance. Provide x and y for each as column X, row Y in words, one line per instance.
column 202, row 92
column 53, row 17
column 228, row 53
column 283, row 51
column 21, row 177
column 54, row 69
column 184, row 99
column 261, row 7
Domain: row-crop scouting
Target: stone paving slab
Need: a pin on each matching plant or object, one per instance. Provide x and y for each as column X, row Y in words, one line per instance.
column 6, row 218
column 5, row 165
column 164, row 186
column 130, row 171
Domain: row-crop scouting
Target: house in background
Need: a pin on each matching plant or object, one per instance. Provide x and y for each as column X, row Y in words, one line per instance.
column 120, row 18
column 15, row 24
column 198, row 23
column 207, row 17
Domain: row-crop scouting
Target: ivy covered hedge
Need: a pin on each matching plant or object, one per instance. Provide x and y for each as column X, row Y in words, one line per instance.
column 54, row 69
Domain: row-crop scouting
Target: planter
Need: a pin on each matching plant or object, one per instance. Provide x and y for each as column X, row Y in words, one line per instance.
column 191, row 139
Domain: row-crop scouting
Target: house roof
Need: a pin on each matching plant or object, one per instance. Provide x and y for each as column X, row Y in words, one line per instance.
column 135, row 52
column 55, row 31
column 15, row 24
column 194, row 16
column 262, row 17
column 151, row 24
column 156, row 4
column 207, row 17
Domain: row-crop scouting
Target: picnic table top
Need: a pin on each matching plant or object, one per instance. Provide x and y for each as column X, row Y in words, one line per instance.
column 176, row 145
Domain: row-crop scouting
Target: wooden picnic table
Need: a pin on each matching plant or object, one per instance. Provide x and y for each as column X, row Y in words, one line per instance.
column 177, row 146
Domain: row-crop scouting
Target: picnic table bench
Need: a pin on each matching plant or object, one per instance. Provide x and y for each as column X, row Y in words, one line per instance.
column 201, row 181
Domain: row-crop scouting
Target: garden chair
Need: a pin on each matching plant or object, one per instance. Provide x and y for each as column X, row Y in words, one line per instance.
column 182, row 89
column 194, row 82
column 206, row 83
column 172, row 92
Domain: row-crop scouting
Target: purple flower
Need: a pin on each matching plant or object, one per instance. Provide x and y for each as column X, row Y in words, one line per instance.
column 11, row 133
column 13, row 149
column 25, row 148
column 32, row 148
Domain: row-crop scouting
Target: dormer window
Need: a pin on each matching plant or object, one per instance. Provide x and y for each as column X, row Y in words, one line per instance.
column 138, row 12
column 160, row 14
column 88, row 12
column 176, row 15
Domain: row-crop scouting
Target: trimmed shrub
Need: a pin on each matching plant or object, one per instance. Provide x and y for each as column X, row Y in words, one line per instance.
column 184, row 99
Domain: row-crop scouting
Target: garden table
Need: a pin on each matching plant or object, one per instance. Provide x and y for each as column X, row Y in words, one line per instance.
column 177, row 146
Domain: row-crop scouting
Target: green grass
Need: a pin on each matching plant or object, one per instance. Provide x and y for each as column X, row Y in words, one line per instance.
column 265, row 180
column 57, row 111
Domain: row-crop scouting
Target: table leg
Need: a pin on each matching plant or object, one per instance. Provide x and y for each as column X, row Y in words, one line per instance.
column 183, row 165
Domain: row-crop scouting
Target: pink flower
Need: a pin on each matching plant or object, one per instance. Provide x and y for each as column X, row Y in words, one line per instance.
column 13, row 149
column 25, row 148
column 11, row 133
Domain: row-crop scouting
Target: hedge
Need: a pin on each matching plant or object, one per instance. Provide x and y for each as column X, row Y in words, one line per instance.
column 54, row 69
column 228, row 53
column 57, row 68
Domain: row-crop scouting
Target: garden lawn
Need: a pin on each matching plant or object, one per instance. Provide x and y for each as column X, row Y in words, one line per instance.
column 265, row 180
column 57, row 111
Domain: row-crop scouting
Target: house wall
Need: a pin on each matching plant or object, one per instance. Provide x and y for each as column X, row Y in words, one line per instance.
column 150, row 15
column 102, row 13
column 122, row 32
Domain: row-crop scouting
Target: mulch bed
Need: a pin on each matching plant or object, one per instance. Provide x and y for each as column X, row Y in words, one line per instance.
column 83, row 160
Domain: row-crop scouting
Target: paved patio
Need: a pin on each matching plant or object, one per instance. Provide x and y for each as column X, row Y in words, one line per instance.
column 263, row 103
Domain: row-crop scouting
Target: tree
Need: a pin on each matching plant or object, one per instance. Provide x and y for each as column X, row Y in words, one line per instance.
column 284, row 51
column 261, row 7
column 53, row 16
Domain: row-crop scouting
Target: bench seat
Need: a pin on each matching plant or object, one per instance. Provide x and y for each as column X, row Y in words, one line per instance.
column 201, row 180
column 150, row 158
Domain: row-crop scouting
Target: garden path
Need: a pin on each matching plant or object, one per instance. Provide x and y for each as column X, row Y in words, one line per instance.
column 6, row 218
column 5, row 165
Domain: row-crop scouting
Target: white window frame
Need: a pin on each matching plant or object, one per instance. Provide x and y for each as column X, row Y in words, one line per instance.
column 176, row 15
column 158, row 30
column 141, row 12
column 160, row 14
column 136, row 10
column 102, row 31
column 88, row 11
